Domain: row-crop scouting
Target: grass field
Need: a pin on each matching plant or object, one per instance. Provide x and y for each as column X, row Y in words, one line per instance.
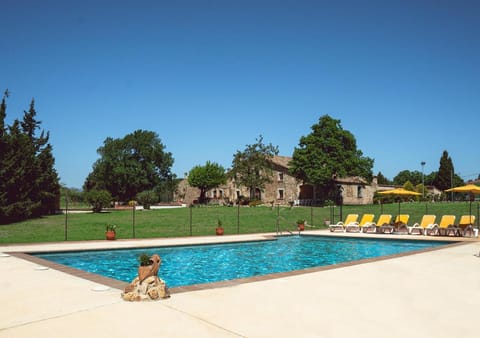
column 201, row 221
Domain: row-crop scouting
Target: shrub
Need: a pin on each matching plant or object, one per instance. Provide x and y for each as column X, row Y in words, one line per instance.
column 255, row 203
column 147, row 198
column 98, row 199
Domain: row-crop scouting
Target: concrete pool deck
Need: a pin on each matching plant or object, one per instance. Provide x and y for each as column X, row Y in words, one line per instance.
column 430, row 294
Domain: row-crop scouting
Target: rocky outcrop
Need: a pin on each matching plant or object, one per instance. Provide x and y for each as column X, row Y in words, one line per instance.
column 147, row 286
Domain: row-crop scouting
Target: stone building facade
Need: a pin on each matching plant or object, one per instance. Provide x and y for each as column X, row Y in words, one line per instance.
column 283, row 189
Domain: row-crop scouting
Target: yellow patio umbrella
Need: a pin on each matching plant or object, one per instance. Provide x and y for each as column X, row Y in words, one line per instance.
column 399, row 192
column 467, row 189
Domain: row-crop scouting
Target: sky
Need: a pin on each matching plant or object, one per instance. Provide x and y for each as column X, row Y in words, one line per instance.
column 210, row 77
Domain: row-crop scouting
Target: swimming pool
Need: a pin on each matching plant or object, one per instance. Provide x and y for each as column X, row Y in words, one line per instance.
column 197, row 264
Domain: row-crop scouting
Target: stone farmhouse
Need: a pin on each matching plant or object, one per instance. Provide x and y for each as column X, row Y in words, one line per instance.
column 283, row 190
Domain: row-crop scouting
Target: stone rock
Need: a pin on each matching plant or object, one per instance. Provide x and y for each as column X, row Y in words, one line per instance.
column 147, row 286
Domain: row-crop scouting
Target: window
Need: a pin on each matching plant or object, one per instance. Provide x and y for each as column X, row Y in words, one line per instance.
column 281, row 194
column 359, row 192
column 280, row 177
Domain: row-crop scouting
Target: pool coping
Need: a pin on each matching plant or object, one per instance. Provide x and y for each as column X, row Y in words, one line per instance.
column 120, row 285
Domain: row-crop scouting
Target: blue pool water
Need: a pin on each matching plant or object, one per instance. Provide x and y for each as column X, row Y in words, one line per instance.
column 188, row 265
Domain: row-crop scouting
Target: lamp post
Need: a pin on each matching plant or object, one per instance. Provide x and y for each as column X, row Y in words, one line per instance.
column 423, row 180
column 66, row 211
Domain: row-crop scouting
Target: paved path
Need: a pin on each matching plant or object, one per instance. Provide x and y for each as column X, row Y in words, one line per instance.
column 432, row 294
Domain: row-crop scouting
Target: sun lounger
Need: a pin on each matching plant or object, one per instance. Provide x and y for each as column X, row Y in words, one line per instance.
column 419, row 228
column 373, row 227
column 401, row 223
column 466, row 226
column 340, row 226
column 445, row 227
column 357, row 226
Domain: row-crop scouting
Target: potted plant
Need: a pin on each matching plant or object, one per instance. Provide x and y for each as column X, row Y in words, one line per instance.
column 110, row 232
column 301, row 224
column 326, row 221
column 219, row 229
column 145, row 266
column 144, row 260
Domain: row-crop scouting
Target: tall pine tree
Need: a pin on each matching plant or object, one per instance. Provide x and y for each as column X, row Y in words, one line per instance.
column 446, row 177
column 3, row 193
column 28, row 180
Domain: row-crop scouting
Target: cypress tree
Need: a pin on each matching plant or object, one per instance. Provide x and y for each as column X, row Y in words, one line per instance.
column 443, row 179
column 3, row 194
column 28, row 181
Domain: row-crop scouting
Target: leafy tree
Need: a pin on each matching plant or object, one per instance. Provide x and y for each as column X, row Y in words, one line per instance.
column 252, row 167
column 430, row 178
column 130, row 165
column 206, row 177
column 166, row 189
column 328, row 152
column 382, row 179
column 414, row 177
column 75, row 196
column 98, row 199
column 420, row 188
column 147, row 198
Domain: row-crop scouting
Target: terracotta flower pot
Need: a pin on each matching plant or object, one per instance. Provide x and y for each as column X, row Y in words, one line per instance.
column 219, row 231
column 301, row 227
column 110, row 235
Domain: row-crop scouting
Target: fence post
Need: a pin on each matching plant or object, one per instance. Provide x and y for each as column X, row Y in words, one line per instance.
column 238, row 218
column 134, row 203
column 66, row 213
column 191, row 208
column 278, row 218
column 311, row 215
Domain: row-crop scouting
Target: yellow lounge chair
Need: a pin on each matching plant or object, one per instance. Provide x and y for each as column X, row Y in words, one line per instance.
column 401, row 223
column 372, row 227
column 357, row 226
column 466, row 226
column 444, row 227
column 419, row 229
column 340, row 226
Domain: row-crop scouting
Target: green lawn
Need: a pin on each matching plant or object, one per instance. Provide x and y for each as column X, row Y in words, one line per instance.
column 200, row 221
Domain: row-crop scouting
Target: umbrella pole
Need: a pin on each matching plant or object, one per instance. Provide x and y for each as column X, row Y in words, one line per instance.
column 470, row 207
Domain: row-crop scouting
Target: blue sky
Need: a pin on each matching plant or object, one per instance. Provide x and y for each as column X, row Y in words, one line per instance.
column 211, row 76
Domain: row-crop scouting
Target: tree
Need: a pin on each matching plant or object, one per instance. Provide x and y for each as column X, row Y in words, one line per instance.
column 28, row 181
column 3, row 149
column 430, row 178
column 47, row 184
column 206, row 177
column 147, row 198
column 446, row 177
column 382, row 179
column 252, row 168
column 326, row 153
column 443, row 180
column 130, row 165
column 415, row 177
column 98, row 199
